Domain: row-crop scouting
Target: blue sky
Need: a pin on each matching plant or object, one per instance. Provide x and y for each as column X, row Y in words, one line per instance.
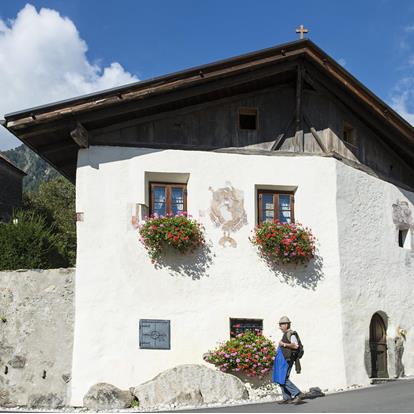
column 142, row 39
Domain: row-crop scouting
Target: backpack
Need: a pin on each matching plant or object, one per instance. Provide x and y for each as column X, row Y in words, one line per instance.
column 298, row 353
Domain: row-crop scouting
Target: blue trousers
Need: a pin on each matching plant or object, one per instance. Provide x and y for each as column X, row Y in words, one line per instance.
column 289, row 389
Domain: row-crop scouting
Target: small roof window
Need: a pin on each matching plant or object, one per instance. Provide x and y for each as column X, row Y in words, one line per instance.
column 248, row 118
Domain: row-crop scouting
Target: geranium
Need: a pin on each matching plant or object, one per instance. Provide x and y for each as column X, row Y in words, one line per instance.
column 235, row 354
column 284, row 242
column 180, row 232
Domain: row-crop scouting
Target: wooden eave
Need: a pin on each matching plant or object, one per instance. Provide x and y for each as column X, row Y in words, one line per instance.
column 47, row 129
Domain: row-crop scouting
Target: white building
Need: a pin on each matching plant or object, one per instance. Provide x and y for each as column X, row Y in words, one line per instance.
column 288, row 120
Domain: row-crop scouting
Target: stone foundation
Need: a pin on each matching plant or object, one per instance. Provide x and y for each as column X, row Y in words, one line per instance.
column 36, row 336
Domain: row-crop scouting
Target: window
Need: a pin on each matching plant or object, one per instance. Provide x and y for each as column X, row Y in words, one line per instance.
column 241, row 325
column 248, row 118
column 404, row 239
column 168, row 198
column 349, row 135
column 276, row 205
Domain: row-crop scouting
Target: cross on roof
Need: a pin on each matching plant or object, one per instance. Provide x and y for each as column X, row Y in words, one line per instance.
column 301, row 30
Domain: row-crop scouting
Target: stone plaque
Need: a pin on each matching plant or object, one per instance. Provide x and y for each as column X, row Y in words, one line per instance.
column 154, row 334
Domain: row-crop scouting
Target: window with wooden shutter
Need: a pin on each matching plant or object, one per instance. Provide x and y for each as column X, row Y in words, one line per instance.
column 166, row 198
column 276, row 205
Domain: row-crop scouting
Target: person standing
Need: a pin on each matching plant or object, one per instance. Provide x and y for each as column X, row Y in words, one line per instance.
column 284, row 361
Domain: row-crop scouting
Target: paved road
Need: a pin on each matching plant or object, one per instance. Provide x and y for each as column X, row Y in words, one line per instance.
column 390, row 397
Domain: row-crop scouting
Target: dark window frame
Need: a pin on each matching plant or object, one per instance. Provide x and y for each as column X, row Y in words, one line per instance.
column 350, row 130
column 168, row 187
column 248, row 111
column 276, row 194
column 234, row 331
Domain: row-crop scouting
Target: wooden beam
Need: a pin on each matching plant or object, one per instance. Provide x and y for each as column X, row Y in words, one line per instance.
column 348, row 104
column 315, row 134
column 80, row 136
column 299, row 116
column 186, row 110
column 57, row 146
column 278, row 141
column 154, row 97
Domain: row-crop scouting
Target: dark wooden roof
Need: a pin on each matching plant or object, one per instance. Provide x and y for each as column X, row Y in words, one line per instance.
column 56, row 131
column 9, row 164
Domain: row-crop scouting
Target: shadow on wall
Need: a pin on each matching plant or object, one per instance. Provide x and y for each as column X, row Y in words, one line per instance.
column 306, row 276
column 367, row 359
column 105, row 155
column 194, row 265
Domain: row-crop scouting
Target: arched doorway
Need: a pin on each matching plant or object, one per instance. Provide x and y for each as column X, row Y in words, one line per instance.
column 378, row 347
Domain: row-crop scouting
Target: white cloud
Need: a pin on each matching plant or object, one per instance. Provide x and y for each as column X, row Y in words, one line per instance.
column 402, row 98
column 402, row 94
column 43, row 59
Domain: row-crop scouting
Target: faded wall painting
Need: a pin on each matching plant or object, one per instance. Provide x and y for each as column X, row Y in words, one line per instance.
column 227, row 212
column 402, row 215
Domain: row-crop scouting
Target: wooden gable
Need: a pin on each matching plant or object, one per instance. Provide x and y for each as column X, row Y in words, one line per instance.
column 303, row 99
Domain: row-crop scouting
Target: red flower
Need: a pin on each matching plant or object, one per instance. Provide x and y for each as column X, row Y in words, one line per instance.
column 280, row 242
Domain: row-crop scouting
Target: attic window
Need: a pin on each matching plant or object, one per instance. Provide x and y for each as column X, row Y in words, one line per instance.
column 248, row 118
column 349, row 135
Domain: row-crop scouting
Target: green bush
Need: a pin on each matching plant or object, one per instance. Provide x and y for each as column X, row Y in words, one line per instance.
column 27, row 242
column 55, row 202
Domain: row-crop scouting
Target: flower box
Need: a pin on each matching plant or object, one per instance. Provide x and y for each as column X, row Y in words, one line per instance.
column 284, row 242
column 181, row 233
column 248, row 355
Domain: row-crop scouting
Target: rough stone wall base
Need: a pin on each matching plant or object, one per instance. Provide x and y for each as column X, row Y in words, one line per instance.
column 36, row 336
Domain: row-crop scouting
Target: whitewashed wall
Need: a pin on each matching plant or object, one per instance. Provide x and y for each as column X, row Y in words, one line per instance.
column 117, row 285
column 376, row 274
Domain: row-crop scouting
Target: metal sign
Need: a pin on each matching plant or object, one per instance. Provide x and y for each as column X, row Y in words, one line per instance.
column 154, row 334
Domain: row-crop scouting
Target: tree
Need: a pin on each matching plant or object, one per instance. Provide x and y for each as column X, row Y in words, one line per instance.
column 55, row 202
column 27, row 242
column 37, row 169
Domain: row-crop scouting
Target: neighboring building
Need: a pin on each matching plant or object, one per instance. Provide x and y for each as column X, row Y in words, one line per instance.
column 11, row 185
column 287, row 123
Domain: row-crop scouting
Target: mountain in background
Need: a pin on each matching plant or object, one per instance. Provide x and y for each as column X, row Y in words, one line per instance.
column 37, row 169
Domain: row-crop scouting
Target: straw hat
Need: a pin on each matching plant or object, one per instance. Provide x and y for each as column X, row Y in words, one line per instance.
column 284, row 319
